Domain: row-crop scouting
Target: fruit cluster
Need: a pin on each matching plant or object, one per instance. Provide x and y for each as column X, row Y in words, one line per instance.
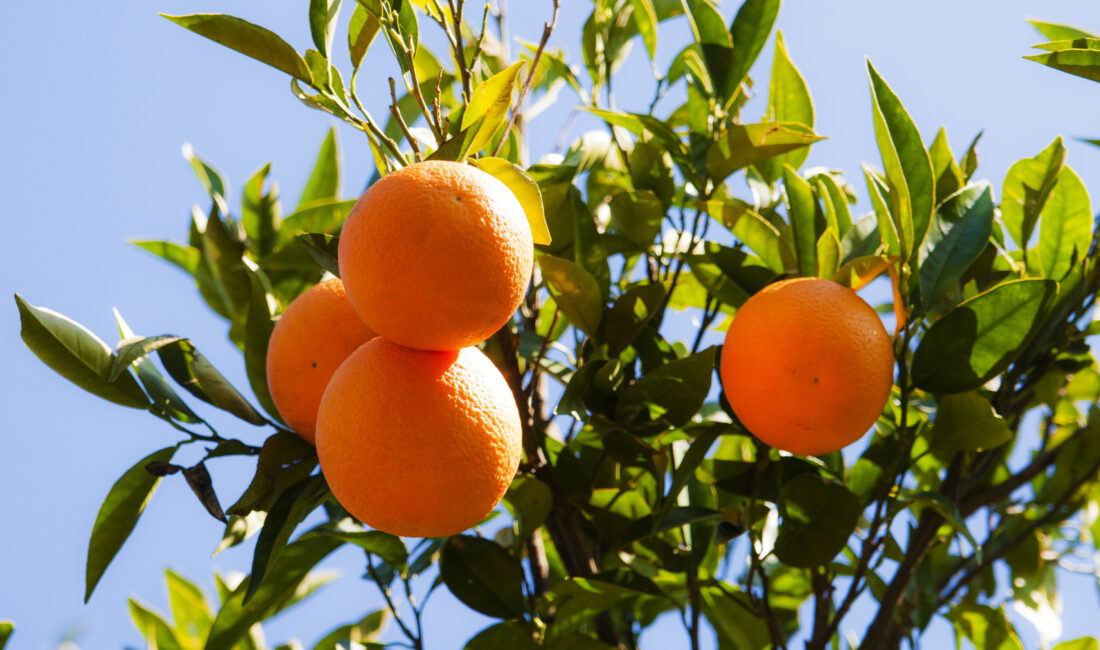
column 417, row 432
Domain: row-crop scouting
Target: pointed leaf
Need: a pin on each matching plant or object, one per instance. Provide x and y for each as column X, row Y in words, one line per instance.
column 388, row 547
column 119, row 514
column 983, row 335
column 575, row 290
column 187, row 258
column 191, row 615
column 645, row 19
column 959, row 232
column 788, row 101
column 362, row 28
column 166, row 402
column 629, row 315
column 908, row 166
column 154, row 630
column 248, row 39
column 484, row 576
column 1027, row 186
column 76, row 354
column 323, row 249
column 748, row 144
column 675, row 390
column 324, row 180
column 1058, row 32
column 525, row 189
column 949, row 178
column 322, row 24
column 1079, row 62
column 750, row 29
column 489, row 104
column 802, row 213
column 260, row 213
column 1065, row 231
column 292, row 506
column 190, row 369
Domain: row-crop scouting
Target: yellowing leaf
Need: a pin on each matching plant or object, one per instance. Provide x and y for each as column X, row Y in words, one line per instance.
column 526, row 190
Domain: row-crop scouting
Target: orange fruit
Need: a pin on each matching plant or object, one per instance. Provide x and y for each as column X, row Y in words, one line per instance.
column 418, row 443
column 807, row 366
column 437, row 255
column 318, row 330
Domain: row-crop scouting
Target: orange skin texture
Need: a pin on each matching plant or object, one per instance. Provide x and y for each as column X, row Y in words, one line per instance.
column 807, row 366
column 318, row 330
column 418, row 443
column 437, row 255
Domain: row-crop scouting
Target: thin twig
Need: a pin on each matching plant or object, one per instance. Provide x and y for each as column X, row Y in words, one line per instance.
column 542, row 353
column 459, row 48
column 389, row 602
column 401, row 121
column 547, row 29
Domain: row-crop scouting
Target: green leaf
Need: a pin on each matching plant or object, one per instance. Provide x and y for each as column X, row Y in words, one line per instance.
column 749, row 144
column 362, row 28
column 76, row 354
column 750, row 29
column 575, row 290
column 119, row 514
column 827, row 254
column 835, row 200
column 260, row 213
column 187, row 258
column 166, row 403
column 1065, row 231
column 967, row 422
column 292, row 506
column 257, row 332
column 1084, row 643
column 530, row 502
column 802, row 211
column 386, row 546
column 322, row 24
column 489, row 105
column 294, row 564
column 324, row 180
column 638, row 216
column 154, row 630
column 629, row 315
column 251, row 40
column 285, row 459
column 508, row 634
column 818, row 518
column 985, row 627
column 753, row 230
column 688, row 463
column 673, row 393
column 191, row 616
column 958, row 234
column 190, row 369
column 1081, row 62
column 1058, row 32
column 7, row 628
column 366, row 630
column 730, row 612
column 484, row 576
column 948, row 175
column 730, row 275
column 324, row 249
column 209, row 177
column 526, row 191
column 978, row 339
column 788, row 101
column 645, row 19
column 907, row 163
column 131, row 349
column 1028, row 183
column 888, row 232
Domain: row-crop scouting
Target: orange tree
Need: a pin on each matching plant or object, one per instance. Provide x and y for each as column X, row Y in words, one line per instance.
column 640, row 491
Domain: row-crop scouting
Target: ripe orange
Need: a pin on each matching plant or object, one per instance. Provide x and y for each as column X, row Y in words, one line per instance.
column 318, row 330
column 807, row 366
column 437, row 255
column 418, row 443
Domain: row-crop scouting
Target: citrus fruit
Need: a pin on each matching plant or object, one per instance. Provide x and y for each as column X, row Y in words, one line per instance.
column 436, row 256
column 807, row 365
column 318, row 330
column 418, row 443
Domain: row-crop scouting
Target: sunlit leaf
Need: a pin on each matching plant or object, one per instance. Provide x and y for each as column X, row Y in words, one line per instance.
column 967, row 422
column 525, row 189
column 248, row 39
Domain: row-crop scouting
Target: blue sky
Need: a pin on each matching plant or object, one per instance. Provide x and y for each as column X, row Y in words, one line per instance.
column 98, row 100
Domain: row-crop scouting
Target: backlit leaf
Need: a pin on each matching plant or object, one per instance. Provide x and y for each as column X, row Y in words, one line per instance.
column 575, row 290
column 251, row 40
column 1065, row 231
column 1027, row 186
column 526, row 191
column 748, row 144
column 967, row 422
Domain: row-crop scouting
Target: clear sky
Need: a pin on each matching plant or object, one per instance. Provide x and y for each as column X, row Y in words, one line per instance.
column 98, row 99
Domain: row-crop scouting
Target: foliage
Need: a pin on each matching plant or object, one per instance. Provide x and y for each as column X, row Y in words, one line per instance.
column 640, row 492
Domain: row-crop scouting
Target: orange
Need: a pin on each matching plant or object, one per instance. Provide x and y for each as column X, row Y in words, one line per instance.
column 807, row 366
column 437, row 255
column 318, row 330
column 418, row 443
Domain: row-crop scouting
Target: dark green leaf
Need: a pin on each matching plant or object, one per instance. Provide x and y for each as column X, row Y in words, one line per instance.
column 130, row 350
column 260, row 213
column 981, row 337
column 818, row 518
column 324, row 249
column 366, row 631
column 190, row 369
column 294, row 564
column 248, row 39
column 1028, row 184
column 729, row 274
column 508, row 634
column 76, row 354
column 166, row 402
column 1066, row 229
column 292, row 506
column 802, row 211
column 575, row 290
column 673, row 393
column 7, row 628
column 119, row 514
column 484, row 576
column 257, row 331
column 967, row 422
column 629, row 315
column 749, row 144
column 750, row 29
column 959, row 232
column 689, row 462
column 284, row 460
column 753, row 230
column 730, row 612
column 908, row 166
column 388, row 547
column 949, row 178
column 530, row 502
